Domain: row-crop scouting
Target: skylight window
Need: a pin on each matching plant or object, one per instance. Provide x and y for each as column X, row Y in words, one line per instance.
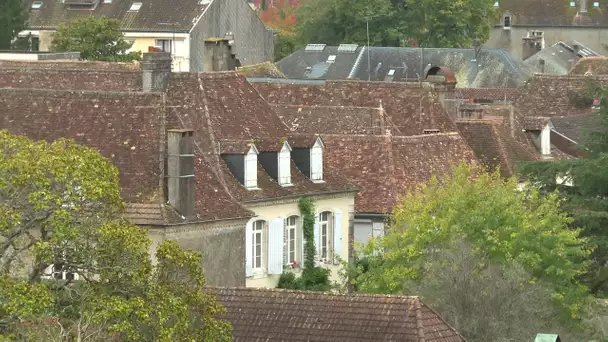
column 135, row 7
column 391, row 72
column 107, row 1
column 331, row 59
column 36, row 4
column 572, row 4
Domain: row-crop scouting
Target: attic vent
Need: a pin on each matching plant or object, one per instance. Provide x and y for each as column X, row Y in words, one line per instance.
column 331, row 58
column 348, row 48
column 314, row 47
column 135, row 7
column 431, row 131
column 36, row 4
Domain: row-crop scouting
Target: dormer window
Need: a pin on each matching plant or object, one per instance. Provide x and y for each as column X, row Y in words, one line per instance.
column 135, row 7
column 596, row 4
column 507, row 22
column 316, row 161
column 251, row 169
column 285, row 165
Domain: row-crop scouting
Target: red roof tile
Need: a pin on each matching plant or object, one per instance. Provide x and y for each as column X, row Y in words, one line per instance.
column 284, row 315
column 486, row 94
column 550, row 95
column 409, row 107
column 387, row 167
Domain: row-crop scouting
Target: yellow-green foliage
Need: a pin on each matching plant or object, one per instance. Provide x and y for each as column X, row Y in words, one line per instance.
column 495, row 218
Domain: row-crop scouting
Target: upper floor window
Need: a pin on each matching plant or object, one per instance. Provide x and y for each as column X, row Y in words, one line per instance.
column 285, row 165
column 292, row 249
column 258, row 241
column 316, row 161
column 507, row 21
column 251, row 169
column 166, row 45
column 325, row 235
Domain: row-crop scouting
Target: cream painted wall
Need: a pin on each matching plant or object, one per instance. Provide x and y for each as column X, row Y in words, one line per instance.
column 268, row 211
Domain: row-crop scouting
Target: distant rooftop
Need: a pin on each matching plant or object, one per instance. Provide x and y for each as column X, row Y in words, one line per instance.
column 560, row 57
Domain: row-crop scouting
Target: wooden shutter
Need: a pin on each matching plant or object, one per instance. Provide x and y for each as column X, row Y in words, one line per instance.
column 249, row 249
column 337, row 238
column 276, row 241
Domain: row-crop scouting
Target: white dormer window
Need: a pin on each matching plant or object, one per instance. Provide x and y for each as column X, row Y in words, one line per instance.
column 285, row 165
column 36, row 4
column 507, row 22
column 545, row 141
column 251, row 168
column 316, row 161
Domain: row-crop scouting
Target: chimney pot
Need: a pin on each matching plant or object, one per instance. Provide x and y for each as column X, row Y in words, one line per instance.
column 180, row 171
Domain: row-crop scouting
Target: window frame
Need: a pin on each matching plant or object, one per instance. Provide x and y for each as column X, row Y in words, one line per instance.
column 162, row 45
column 290, row 228
column 325, row 247
column 258, row 230
column 505, row 19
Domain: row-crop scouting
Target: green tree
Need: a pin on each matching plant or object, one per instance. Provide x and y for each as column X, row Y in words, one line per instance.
column 487, row 212
column 284, row 45
column 13, row 16
column 586, row 201
column 96, row 38
column 431, row 23
column 72, row 269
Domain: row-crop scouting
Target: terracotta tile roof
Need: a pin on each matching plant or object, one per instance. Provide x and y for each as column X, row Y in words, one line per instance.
column 549, row 95
column 69, row 65
column 234, row 146
column 486, row 94
column 334, row 119
column 224, row 106
column 387, row 167
column 151, row 214
column 411, row 108
column 153, row 16
column 297, row 140
column 535, row 123
column 494, row 147
column 284, row 315
column 596, row 65
column 550, row 12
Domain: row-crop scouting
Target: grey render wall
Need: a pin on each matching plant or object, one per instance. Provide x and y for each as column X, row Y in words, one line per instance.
column 511, row 40
column 253, row 42
column 222, row 245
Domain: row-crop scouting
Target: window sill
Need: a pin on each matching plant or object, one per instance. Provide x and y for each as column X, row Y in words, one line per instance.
column 258, row 274
column 253, row 188
column 286, row 185
column 317, row 181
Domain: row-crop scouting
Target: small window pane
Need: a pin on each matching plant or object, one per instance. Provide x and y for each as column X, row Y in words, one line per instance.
column 596, row 4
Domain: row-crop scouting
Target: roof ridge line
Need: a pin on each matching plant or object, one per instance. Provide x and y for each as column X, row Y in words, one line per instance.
column 355, row 67
column 419, row 324
column 327, row 293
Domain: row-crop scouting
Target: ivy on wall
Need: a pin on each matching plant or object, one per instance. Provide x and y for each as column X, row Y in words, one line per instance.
column 313, row 278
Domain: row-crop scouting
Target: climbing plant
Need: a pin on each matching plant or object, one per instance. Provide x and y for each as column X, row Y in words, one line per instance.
column 583, row 98
column 313, row 278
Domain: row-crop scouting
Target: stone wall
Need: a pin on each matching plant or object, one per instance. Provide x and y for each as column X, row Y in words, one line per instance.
column 222, row 245
column 253, row 42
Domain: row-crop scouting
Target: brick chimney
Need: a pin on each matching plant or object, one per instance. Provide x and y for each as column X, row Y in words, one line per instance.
column 218, row 56
column 180, row 171
column 157, row 71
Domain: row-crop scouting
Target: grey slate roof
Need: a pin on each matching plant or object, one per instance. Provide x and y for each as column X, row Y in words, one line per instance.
column 153, row 16
column 560, row 57
column 494, row 68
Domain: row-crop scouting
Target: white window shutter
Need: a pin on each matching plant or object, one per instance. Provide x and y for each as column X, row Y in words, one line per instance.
column 275, row 246
column 338, row 234
column 249, row 249
column 317, row 236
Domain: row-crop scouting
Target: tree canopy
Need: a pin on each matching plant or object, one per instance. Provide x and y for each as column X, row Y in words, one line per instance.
column 96, row 38
column 586, row 200
column 72, row 269
column 13, row 16
column 490, row 214
column 424, row 23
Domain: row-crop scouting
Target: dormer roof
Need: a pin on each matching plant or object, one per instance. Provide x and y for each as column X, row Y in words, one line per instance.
column 305, row 140
column 272, row 144
column 236, row 147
